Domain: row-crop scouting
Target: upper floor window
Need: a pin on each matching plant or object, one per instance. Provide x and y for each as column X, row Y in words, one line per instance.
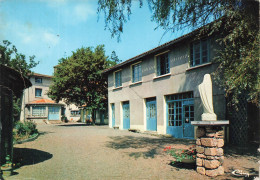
column 38, row 80
column 118, row 79
column 199, row 52
column 38, row 92
column 162, row 62
column 136, row 72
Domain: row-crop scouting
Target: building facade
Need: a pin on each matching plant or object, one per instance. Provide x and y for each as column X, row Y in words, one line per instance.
column 158, row 90
column 37, row 106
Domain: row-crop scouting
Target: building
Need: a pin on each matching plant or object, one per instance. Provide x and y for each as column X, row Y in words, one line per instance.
column 158, row 90
column 37, row 106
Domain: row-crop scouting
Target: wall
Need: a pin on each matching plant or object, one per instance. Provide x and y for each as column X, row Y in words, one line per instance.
column 182, row 78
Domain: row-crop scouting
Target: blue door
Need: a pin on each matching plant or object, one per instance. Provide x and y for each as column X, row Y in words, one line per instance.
column 126, row 115
column 54, row 113
column 180, row 113
column 188, row 115
column 151, row 115
column 113, row 114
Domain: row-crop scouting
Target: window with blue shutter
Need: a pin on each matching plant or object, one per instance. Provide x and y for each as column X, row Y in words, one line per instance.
column 136, row 73
column 199, row 52
column 118, row 79
column 163, row 65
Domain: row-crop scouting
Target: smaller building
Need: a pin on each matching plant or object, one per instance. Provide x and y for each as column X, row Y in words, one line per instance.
column 37, row 106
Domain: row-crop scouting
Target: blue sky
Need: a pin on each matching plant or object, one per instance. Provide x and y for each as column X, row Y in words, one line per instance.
column 52, row 29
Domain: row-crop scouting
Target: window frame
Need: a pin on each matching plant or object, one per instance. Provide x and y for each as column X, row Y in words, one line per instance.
column 43, row 110
column 36, row 92
column 115, row 80
column 139, row 78
column 157, row 65
column 193, row 52
column 38, row 78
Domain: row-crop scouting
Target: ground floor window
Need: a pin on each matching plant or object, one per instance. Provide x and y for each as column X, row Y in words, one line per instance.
column 39, row 111
column 75, row 113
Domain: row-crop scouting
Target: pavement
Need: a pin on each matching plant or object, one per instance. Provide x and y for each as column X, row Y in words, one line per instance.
column 79, row 152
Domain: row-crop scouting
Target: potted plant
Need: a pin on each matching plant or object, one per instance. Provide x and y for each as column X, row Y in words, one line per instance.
column 182, row 155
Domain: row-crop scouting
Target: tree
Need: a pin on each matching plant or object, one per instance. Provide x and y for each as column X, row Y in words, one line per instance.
column 235, row 22
column 78, row 79
column 10, row 57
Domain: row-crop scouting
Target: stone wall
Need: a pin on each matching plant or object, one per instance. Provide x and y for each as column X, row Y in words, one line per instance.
column 210, row 154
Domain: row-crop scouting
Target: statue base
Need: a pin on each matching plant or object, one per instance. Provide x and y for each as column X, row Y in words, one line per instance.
column 208, row 117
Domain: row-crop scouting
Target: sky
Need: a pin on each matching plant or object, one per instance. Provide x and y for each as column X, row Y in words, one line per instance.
column 52, row 29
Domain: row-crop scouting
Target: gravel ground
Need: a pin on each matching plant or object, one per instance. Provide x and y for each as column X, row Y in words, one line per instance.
column 76, row 151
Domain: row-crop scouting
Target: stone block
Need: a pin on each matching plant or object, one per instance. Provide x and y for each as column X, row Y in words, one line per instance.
column 201, row 155
column 201, row 170
column 198, row 142
column 200, row 132
column 211, row 134
column 210, row 157
column 221, row 170
column 210, row 130
column 220, row 152
column 220, row 134
column 209, row 142
column 199, row 162
column 212, row 173
column 215, row 172
column 210, row 151
column 200, row 149
column 212, row 164
column 220, row 143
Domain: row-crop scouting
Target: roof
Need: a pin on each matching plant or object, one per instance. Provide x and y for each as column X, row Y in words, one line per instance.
column 40, row 75
column 156, row 49
column 44, row 101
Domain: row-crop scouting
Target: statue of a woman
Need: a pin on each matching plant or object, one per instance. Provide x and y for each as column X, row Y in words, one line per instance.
column 205, row 89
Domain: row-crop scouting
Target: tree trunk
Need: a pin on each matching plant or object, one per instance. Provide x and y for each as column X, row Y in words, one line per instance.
column 93, row 114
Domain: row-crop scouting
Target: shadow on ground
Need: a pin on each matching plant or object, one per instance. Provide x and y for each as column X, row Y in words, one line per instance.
column 145, row 147
column 26, row 156
column 180, row 165
column 81, row 124
column 246, row 150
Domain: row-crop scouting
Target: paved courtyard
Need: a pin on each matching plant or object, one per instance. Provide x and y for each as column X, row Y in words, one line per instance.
column 77, row 151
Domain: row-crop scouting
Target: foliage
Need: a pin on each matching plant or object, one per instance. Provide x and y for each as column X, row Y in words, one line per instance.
column 24, row 130
column 78, row 79
column 10, row 57
column 180, row 154
column 235, row 22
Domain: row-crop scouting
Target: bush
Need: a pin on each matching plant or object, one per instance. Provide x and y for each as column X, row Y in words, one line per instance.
column 27, row 128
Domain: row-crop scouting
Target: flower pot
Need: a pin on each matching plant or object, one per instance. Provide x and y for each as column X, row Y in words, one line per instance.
column 188, row 161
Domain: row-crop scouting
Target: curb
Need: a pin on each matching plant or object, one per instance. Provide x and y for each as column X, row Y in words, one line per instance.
column 27, row 140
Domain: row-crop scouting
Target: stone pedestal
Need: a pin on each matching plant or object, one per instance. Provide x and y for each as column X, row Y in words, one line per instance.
column 209, row 146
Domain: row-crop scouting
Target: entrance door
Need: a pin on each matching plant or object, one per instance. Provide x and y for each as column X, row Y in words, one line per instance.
column 188, row 116
column 126, row 115
column 151, row 115
column 54, row 113
column 113, row 114
column 180, row 113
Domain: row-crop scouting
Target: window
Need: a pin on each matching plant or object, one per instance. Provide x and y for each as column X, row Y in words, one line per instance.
column 39, row 111
column 118, row 79
column 162, row 62
column 199, row 53
column 38, row 80
column 136, row 72
column 38, row 92
column 75, row 113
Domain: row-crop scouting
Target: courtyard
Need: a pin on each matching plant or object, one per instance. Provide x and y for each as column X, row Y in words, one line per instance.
column 77, row 151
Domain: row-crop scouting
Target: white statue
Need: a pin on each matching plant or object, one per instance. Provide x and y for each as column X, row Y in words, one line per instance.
column 205, row 89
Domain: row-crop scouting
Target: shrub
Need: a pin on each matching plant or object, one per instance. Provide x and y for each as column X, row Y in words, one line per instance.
column 181, row 154
column 25, row 129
